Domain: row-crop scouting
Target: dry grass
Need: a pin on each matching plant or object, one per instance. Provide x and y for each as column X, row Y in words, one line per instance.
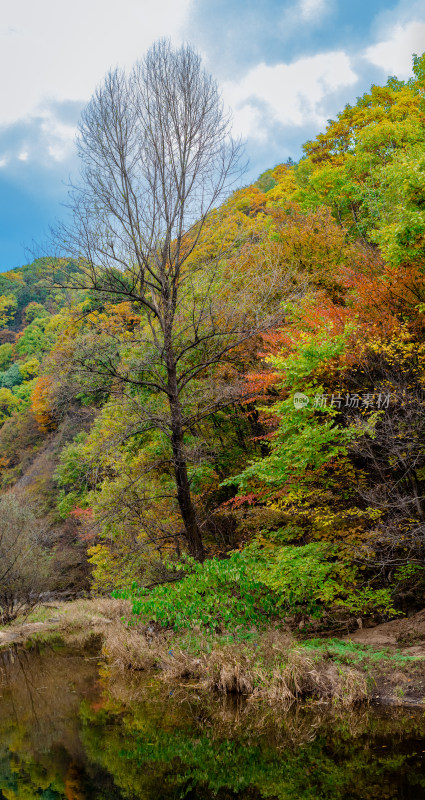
column 273, row 669
column 128, row 649
column 96, row 611
column 282, row 674
column 75, row 621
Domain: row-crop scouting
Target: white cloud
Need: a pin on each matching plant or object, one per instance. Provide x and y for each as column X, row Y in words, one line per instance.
column 394, row 54
column 59, row 137
column 248, row 118
column 292, row 94
column 53, row 51
column 3, row 162
column 312, row 9
column 296, row 16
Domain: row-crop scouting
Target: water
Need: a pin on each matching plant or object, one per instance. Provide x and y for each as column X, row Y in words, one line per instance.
column 69, row 730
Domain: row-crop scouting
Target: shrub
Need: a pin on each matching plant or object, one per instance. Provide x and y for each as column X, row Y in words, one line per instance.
column 256, row 586
column 314, row 578
column 215, row 595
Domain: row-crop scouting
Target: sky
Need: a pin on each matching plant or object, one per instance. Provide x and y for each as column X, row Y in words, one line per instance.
column 284, row 66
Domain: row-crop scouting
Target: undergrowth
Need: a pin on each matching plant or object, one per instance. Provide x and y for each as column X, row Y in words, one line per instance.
column 346, row 652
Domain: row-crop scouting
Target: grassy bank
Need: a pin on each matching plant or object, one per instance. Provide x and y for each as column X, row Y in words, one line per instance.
column 273, row 666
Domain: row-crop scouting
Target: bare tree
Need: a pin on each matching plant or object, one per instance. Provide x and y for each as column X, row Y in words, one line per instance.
column 24, row 562
column 157, row 158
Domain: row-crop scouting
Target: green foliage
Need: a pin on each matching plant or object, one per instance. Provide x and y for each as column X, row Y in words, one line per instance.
column 216, row 595
column 314, row 578
column 35, row 311
column 23, row 392
column 400, row 207
column 36, row 338
column 30, row 368
column 306, row 438
column 347, row 652
column 67, row 502
column 6, row 354
column 303, row 578
column 256, row 586
column 116, row 564
column 346, row 166
column 71, row 471
column 8, row 403
column 266, row 181
column 32, row 287
column 12, row 377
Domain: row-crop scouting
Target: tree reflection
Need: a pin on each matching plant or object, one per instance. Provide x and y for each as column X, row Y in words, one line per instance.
column 71, row 730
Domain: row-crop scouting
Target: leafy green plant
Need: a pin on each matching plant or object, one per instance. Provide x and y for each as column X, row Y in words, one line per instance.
column 313, row 578
column 254, row 587
column 213, row 595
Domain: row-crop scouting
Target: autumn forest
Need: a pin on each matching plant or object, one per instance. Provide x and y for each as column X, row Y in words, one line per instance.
column 217, row 410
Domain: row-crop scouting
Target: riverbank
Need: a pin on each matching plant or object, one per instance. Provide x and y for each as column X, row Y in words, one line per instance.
column 384, row 663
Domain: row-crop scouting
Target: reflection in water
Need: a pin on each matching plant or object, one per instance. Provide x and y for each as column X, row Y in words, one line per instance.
column 69, row 732
column 41, row 754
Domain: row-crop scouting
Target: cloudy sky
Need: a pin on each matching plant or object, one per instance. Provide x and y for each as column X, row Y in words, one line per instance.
column 285, row 67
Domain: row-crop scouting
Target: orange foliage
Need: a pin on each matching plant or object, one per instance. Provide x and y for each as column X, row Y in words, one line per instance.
column 375, row 300
column 41, row 404
column 73, row 787
column 85, row 517
column 385, row 300
column 121, row 317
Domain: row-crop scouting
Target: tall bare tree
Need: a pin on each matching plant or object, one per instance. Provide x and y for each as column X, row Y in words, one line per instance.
column 157, row 158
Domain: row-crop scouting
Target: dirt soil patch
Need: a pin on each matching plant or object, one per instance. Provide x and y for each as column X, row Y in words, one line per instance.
column 407, row 633
column 404, row 685
column 20, row 633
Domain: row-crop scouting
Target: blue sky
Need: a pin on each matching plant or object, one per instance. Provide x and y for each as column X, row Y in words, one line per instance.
column 285, row 67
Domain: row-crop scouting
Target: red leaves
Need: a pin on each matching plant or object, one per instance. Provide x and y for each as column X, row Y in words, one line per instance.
column 84, row 517
column 247, row 499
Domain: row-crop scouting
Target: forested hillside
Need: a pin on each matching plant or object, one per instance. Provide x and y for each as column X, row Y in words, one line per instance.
column 303, row 436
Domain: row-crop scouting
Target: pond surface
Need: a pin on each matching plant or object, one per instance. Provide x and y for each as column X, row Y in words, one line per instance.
column 71, row 731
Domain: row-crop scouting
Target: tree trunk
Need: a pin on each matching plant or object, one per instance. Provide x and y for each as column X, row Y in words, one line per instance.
column 184, row 497
column 192, row 532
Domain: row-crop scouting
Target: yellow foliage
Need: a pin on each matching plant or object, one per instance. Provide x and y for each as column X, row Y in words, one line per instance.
column 41, row 403
column 8, row 306
column 30, row 368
